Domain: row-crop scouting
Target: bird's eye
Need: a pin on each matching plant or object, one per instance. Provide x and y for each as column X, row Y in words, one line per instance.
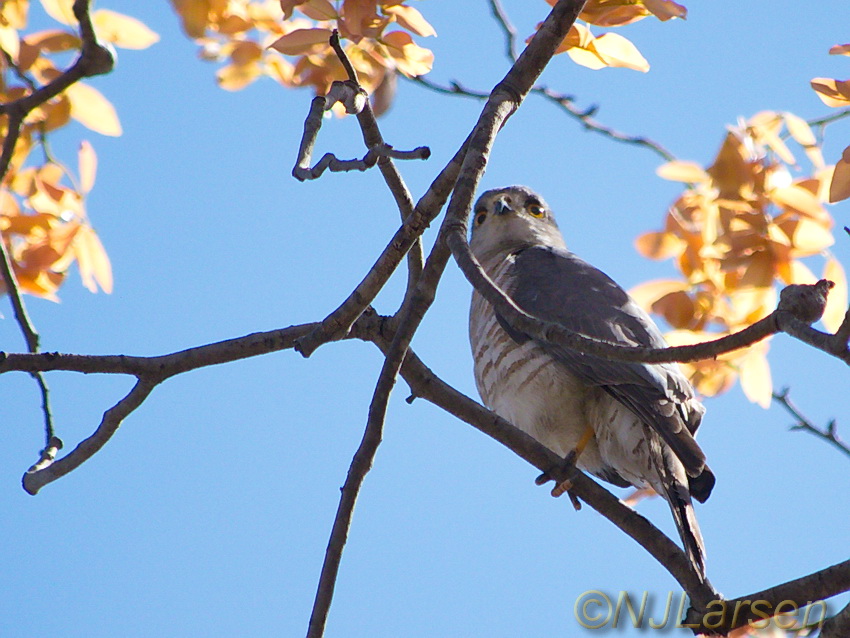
column 535, row 210
column 480, row 216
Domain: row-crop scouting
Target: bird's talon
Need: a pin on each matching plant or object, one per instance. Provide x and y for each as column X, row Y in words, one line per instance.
column 560, row 488
column 543, row 479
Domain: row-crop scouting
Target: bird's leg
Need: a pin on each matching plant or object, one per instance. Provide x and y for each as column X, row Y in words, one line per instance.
column 570, row 462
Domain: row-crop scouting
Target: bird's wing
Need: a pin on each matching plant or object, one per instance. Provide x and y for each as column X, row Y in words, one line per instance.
column 555, row 285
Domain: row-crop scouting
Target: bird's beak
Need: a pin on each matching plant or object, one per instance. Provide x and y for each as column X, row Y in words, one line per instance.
column 501, row 207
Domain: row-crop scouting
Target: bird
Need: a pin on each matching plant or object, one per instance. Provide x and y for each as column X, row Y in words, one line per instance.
column 626, row 423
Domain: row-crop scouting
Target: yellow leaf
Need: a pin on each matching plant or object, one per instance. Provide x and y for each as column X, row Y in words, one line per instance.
column 666, row 9
column 832, row 92
column 410, row 19
column 88, row 166
column 92, row 110
column 586, row 58
column 755, row 376
column 836, row 303
column 123, row 31
column 410, row 58
column 801, row 274
column 680, row 171
column 60, row 10
column 839, row 187
column 9, row 41
column 302, row 41
column 809, row 237
column 799, row 199
column 92, row 260
column 840, row 49
column 617, row 51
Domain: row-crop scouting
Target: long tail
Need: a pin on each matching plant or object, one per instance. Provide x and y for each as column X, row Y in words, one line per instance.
column 679, row 498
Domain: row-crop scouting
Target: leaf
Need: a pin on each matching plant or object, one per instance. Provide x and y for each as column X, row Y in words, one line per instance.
column 123, row 31
column 410, row 19
column 660, row 245
column 832, row 92
column 617, row 51
column 92, row 110
column 839, row 187
column 194, row 16
column 60, row 10
column 840, row 49
column 666, row 9
column 649, row 292
column 809, row 237
column 92, row 260
column 234, row 77
column 836, row 303
column 302, row 41
column 799, row 199
column 410, row 58
column 9, row 41
column 321, row 10
column 680, row 171
column 88, row 166
column 755, row 376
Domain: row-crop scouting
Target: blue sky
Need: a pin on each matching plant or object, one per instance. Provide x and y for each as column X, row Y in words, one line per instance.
column 209, row 511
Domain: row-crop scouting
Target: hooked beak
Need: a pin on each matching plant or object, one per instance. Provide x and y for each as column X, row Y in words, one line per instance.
column 501, row 207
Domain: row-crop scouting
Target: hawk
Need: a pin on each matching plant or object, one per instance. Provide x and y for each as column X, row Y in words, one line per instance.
column 628, row 423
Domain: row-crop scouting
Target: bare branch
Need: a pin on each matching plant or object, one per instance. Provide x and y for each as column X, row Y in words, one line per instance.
column 509, row 30
column 817, row 586
column 46, row 472
column 838, row 626
column 803, row 423
column 567, row 104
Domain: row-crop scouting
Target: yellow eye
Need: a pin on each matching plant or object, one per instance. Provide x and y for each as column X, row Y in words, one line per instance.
column 480, row 216
column 535, row 210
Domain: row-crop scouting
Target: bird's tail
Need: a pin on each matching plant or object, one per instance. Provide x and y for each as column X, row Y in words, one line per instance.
column 679, row 498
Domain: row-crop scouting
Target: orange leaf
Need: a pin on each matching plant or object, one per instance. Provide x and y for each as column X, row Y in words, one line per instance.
column 836, row 303
column 123, row 31
column 832, row 92
column 410, row 19
column 839, row 187
column 649, row 292
column 88, row 166
column 318, row 10
column 92, row 110
column 194, row 16
column 680, row 171
column 92, row 260
column 840, row 49
column 666, row 9
column 410, row 58
column 234, row 77
column 302, row 41
column 660, row 245
column 799, row 199
column 609, row 13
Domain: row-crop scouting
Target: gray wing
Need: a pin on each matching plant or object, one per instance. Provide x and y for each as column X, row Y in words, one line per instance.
column 555, row 285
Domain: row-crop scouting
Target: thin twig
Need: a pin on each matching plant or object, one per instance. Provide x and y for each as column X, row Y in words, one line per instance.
column 509, row 30
column 828, row 433
column 566, row 103
column 94, row 59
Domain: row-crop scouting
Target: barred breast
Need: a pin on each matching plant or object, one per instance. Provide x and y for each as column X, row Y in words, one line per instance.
column 523, row 384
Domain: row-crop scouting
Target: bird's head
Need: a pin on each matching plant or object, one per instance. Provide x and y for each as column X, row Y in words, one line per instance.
column 508, row 219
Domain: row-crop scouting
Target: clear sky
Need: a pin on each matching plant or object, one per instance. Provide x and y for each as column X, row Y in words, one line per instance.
column 209, row 511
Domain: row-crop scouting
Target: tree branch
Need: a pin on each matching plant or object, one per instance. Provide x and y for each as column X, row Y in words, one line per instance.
column 828, row 433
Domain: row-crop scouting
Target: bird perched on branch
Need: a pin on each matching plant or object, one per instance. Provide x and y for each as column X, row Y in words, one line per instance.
column 626, row 423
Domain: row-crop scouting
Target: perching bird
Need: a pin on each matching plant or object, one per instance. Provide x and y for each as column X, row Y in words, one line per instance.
column 639, row 419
